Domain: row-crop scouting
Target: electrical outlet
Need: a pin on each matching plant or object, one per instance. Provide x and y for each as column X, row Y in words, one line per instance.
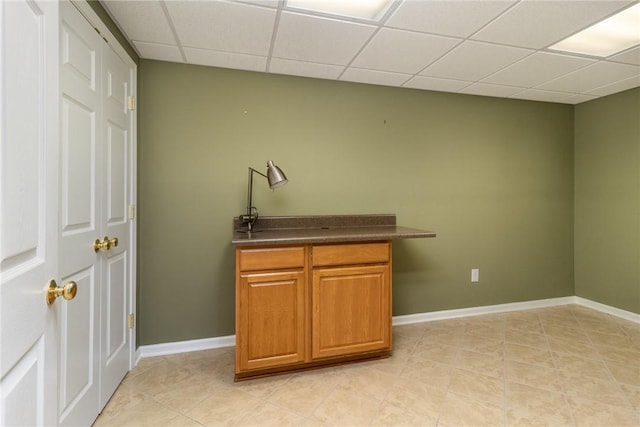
column 475, row 275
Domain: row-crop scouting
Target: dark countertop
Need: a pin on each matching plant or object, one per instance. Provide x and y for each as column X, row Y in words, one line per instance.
column 324, row 229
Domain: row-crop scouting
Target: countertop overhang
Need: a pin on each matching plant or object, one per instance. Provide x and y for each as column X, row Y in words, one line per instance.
column 315, row 229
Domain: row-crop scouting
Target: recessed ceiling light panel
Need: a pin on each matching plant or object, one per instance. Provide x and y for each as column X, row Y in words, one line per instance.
column 615, row 34
column 370, row 10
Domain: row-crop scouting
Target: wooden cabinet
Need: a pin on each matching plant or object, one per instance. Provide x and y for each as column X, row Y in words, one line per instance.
column 308, row 305
column 270, row 307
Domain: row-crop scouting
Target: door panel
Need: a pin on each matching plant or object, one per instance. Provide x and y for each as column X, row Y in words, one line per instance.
column 351, row 310
column 81, row 109
column 117, row 120
column 28, row 210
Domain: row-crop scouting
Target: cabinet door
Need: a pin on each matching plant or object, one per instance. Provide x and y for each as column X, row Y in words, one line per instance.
column 351, row 310
column 270, row 319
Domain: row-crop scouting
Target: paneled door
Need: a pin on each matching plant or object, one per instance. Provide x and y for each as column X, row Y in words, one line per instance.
column 94, row 237
column 28, row 210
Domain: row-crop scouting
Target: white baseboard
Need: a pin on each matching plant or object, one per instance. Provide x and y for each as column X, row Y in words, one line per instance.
column 627, row 315
column 475, row 311
column 186, row 346
column 230, row 340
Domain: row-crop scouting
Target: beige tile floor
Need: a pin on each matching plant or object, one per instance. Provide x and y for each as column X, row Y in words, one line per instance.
column 560, row 366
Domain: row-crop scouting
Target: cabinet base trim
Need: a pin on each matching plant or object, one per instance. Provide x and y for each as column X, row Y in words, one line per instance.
column 312, row 365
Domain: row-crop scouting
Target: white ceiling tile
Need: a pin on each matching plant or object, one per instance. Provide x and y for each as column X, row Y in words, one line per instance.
column 577, row 99
column 475, row 60
column 402, row 51
column 306, row 69
column 450, row 18
column 616, row 87
column 434, row 83
column 161, row 52
column 538, row 24
column 490, row 90
column 631, row 56
column 316, row 39
column 541, row 95
column 214, row 58
column 142, row 20
column 592, row 77
column 537, row 68
column 223, row 26
column 374, row 77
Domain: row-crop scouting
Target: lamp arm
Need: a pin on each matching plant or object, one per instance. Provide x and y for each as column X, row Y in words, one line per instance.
column 250, row 208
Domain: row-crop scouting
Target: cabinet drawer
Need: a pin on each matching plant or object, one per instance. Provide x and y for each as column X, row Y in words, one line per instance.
column 270, row 258
column 352, row 253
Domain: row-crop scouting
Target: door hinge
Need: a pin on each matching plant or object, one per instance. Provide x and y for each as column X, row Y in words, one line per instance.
column 132, row 211
column 132, row 102
column 132, row 321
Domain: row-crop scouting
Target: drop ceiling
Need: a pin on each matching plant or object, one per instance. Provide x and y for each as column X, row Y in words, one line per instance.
column 481, row 47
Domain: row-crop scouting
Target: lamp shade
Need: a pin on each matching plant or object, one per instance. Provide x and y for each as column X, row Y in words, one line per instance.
column 275, row 176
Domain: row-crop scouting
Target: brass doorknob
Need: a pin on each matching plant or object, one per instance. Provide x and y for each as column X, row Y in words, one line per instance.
column 105, row 244
column 68, row 291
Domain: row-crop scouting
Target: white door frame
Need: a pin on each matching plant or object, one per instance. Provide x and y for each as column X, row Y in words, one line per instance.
column 91, row 16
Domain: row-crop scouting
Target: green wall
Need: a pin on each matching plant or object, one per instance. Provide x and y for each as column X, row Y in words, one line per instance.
column 607, row 200
column 492, row 177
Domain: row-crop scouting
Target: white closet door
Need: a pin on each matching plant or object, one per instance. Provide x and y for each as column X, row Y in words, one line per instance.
column 28, row 210
column 117, row 141
column 80, row 191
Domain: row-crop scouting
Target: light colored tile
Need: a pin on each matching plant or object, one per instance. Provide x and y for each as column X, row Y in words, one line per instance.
column 161, row 52
column 536, row 376
column 576, row 364
column 344, row 407
column 394, row 50
column 306, row 69
column 631, row 56
column 592, row 413
column 624, row 356
column 531, row 355
column 223, row 26
column 587, row 387
column 148, row 412
column 481, row 344
column 626, row 374
column 417, row 397
column 460, row 410
column 367, row 381
column 481, row 363
column 537, row 69
column 578, row 348
column 530, row 406
column 316, row 386
column 518, row 336
column 433, row 83
column 427, row 371
column 392, row 415
column 267, row 414
column 485, row 89
column 213, row 58
column 472, row 61
column 225, row 405
column 321, row 40
column 375, row 77
column 493, row 331
column 541, row 95
column 477, row 386
column 592, row 77
column 520, row 26
column 437, row 352
column 633, row 395
column 142, row 21
column 459, row 19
